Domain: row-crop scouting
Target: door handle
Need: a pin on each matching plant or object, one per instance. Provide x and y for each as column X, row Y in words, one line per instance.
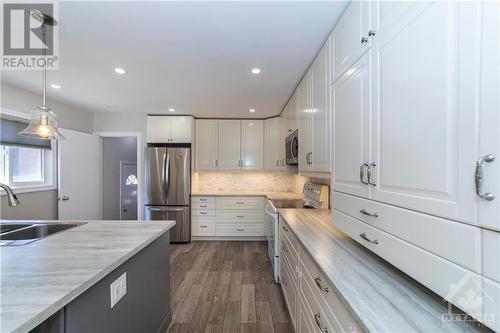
column 372, row 165
column 362, row 173
column 479, row 177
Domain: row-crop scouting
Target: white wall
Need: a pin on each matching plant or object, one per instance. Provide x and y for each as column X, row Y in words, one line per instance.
column 114, row 150
column 39, row 205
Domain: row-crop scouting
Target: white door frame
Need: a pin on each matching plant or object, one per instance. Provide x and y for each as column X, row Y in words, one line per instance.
column 137, row 135
column 124, row 162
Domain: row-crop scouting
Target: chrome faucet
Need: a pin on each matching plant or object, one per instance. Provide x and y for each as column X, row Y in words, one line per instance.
column 11, row 197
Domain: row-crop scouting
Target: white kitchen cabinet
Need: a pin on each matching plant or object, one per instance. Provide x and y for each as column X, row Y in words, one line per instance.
column 351, row 128
column 169, row 129
column 290, row 115
column 206, row 144
column 252, row 144
column 229, row 145
column 320, row 112
column 304, row 94
column 273, row 144
column 351, row 38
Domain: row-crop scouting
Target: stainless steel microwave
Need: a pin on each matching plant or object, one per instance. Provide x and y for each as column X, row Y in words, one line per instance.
column 292, row 148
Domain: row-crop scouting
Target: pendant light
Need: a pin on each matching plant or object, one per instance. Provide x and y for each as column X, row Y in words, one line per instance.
column 43, row 122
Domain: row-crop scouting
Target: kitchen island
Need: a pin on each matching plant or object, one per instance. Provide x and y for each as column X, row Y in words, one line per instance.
column 65, row 279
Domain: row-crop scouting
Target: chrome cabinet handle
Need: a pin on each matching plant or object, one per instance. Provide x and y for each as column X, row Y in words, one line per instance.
column 317, row 318
column 371, row 33
column 65, row 198
column 310, row 158
column 362, row 173
column 479, row 177
column 363, row 235
column 203, row 213
column 240, row 229
column 216, row 163
column 318, row 283
column 365, row 212
column 283, row 162
column 364, row 40
column 369, row 174
column 239, row 202
column 277, row 163
column 203, row 206
column 203, row 226
column 203, row 199
column 240, row 216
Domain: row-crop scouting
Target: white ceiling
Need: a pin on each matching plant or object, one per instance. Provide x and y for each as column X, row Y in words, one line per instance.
column 195, row 57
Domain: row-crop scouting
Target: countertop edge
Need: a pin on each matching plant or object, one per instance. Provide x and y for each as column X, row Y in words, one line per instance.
column 45, row 314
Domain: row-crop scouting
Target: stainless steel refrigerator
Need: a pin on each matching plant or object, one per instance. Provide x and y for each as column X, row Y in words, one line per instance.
column 168, row 187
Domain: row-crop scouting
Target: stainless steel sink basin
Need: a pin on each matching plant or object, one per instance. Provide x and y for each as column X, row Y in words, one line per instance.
column 25, row 233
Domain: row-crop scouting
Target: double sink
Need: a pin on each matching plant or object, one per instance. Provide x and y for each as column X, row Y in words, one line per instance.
column 21, row 233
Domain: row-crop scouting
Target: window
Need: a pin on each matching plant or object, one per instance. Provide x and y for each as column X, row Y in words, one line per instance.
column 23, row 167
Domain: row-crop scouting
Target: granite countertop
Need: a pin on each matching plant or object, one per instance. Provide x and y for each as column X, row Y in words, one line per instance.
column 40, row 278
column 378, row 295
column 269, row 194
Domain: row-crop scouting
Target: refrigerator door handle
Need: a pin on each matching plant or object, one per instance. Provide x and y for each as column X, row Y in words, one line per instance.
column 166, row 173
column 165, row 209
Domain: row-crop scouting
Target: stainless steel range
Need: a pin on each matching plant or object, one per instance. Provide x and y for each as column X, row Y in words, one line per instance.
column 315, row 197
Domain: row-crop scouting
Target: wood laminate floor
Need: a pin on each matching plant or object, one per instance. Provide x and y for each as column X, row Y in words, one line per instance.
column 225, row 287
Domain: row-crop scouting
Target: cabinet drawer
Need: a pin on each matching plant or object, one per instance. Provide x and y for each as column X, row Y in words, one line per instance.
column 202, row 212
column 432, row 271
column 287, row 232
column 240, row 202
column 238, row 216
column 290, row 290
column 326, row 296
column 304, row 321
column 202, row 199
column 227, row 229
column 203, row 205
column 203, row 226
column 321, row 317
column 289, row 256
column 491, row 254
column 456, row 242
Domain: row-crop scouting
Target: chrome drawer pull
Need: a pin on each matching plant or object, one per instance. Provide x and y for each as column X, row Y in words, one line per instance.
column 317, row 318
column 240, row 216
column 203, row 206
column 240, row 229
column 318, row 283
column 203, row 226
column 364, row 212
column 363, row 235
column 203, row 213
column 203, row 199
column 239, row 202
column 479, row 177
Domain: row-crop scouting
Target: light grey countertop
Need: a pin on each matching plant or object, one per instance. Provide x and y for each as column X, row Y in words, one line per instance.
column 38, row 279
column 378, row 295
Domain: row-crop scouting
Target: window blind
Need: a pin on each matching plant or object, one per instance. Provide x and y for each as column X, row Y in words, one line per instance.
column 9, row 137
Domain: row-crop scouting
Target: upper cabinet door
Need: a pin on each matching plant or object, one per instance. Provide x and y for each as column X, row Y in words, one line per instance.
column 272, row 157
column 304, row 94
column 351, row 38
column 252, row 143
column 351, row 128
column 320, row 112
column 425, row 109
column 229, row 144
column 159, row 130
column 181, row 129
column 206, row 144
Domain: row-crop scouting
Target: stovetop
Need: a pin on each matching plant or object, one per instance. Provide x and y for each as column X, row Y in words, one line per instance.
column 288, row 203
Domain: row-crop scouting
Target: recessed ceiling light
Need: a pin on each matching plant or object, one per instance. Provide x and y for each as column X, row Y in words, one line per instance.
column 171, row 110
column 251, row 110
column 255, row 70
column 120, row 70
column 55, row 86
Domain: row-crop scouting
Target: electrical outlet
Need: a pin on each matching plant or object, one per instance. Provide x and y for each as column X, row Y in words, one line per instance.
column 118, row 289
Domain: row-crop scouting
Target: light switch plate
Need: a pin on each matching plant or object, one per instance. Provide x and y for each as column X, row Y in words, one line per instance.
column 118, row 289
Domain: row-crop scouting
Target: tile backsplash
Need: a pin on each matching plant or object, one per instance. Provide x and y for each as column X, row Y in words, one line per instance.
column 247, row 181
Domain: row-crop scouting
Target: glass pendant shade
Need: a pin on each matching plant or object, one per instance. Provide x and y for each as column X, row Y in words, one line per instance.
column 43, row 125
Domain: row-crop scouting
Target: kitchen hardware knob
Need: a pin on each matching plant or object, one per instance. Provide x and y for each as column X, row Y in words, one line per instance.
column 363, row 235
column 479, row 177
column 65, row 198
column 362, row 173
column 371, row 33
column 365, row 212
column 317, row 319
column 369, row 174
column 318, row 283
column 364, row 40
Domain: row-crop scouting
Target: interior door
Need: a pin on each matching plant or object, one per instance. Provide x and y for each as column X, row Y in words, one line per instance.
column 424, row 120
column 79, row 189
column 128, row 190
column 206, row 144
column 320, row 112
column 229, row 144
column 252, row 143
column 351, row 128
